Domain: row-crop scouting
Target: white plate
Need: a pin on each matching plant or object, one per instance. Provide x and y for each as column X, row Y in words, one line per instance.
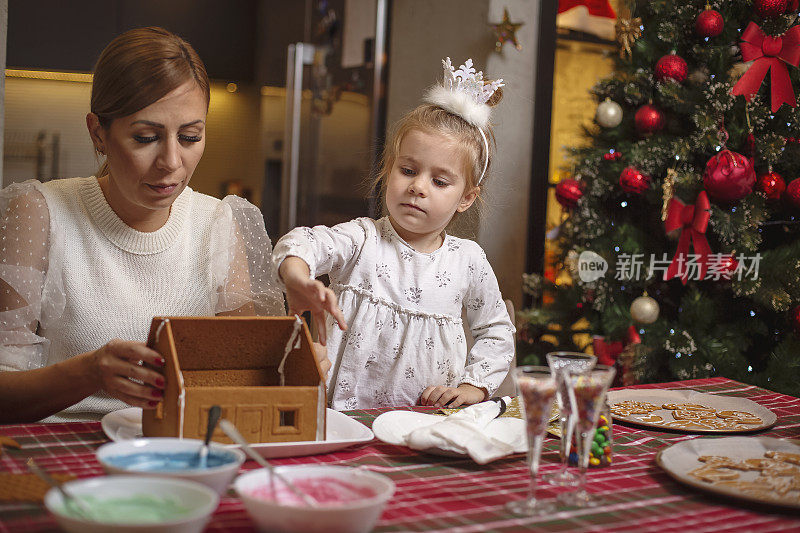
column 393, row 426
column 681, row 458
column 720, row 402
column 341, row 431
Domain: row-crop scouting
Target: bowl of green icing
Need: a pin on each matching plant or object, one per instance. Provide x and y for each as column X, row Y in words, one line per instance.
column 133, row 504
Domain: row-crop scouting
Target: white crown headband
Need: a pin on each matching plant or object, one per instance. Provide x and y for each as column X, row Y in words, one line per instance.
column 464, row 93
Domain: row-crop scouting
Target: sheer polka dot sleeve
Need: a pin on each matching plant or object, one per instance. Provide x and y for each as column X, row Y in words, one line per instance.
column 241, row 262
column 31, row 289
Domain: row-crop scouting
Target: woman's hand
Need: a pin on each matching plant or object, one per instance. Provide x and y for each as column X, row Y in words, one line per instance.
column 306, row 294
column 119, row 362
column 440, row 396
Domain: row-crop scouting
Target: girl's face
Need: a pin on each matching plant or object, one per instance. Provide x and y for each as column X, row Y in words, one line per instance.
column 427, row 184
column 151, row 155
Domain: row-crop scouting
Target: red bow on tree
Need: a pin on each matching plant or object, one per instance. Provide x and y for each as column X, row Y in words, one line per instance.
column 692, row 220
column 608, row 352
column 769, row 53
column 598, row 8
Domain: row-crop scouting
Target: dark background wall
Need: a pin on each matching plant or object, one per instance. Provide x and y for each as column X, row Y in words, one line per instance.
column 69, row 35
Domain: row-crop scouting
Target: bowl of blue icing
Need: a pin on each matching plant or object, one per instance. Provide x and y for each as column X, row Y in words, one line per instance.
column 133, row 504
column 174, row 458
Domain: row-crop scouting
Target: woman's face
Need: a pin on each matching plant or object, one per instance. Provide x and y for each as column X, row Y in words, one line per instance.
column 152, row 154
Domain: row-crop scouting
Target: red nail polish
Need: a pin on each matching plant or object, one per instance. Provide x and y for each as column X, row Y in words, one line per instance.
column 160, row 382
column 157, row 393
column 160, row 361
column 152, row 403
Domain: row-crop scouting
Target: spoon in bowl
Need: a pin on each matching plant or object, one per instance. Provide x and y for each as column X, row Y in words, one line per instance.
column 213, row 418
column 69, row 498
column 237, row 437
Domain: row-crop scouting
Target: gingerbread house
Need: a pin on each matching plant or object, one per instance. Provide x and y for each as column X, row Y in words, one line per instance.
column 260, row 370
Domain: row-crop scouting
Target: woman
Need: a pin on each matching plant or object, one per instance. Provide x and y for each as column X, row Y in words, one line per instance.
column 86, row 262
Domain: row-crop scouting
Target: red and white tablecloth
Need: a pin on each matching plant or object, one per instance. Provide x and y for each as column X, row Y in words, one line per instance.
column 453, row 494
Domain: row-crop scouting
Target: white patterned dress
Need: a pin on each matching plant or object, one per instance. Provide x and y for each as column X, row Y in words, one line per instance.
column 403, row 309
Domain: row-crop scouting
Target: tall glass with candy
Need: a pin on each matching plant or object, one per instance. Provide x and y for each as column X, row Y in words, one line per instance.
column 559, row 362
column 537, row 388
column 587, row 391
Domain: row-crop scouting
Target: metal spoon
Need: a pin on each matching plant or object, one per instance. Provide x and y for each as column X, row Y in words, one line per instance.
column 237, row 437
column 213, row 418
column 84, row 510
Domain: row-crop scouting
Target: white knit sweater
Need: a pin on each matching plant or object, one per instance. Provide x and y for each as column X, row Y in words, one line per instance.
column 105, row 280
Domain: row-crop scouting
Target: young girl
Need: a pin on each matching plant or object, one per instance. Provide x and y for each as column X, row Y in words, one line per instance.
column 402, row 281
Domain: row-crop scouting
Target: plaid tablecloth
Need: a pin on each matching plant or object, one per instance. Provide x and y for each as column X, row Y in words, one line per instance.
column 453, row 494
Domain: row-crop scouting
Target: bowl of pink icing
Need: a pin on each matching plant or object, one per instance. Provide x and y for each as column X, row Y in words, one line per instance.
column 348, row 500
column 133, row 504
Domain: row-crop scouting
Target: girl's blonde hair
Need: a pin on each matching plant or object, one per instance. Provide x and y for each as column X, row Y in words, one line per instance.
column 430, row 118
column 138, row 68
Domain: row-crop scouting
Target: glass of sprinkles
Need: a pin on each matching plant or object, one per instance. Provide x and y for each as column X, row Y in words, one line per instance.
column 559, row 362
column 537, row 388
column 587, row 393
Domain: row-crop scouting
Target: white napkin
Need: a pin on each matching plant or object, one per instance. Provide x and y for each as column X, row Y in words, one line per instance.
column 464, row 432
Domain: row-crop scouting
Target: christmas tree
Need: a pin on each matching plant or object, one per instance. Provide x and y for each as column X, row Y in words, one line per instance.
column 681, row 230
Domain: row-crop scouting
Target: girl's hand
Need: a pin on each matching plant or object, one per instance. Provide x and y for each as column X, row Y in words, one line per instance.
column 321, row 355
column 118, row 362
column 306, row 294
column 440, row 396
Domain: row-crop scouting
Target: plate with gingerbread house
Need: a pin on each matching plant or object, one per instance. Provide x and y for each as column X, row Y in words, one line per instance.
column 341, row 431
column 689, row 411
column 261, row 371
column 763, row 470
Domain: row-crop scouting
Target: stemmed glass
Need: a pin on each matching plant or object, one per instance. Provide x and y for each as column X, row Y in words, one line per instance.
column 559, row 362
column 538, row 390
column 587, row 392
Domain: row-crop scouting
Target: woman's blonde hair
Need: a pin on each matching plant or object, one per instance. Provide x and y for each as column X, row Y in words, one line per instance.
column 430, row 118
column 138, row 68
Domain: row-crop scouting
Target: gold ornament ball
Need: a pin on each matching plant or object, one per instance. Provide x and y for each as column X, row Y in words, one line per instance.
column 644, row 310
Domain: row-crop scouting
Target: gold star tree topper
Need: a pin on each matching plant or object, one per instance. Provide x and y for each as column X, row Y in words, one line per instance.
column 506, row 31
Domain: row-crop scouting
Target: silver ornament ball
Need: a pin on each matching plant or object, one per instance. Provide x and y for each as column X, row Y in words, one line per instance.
column 644, row 310
column 609, row 114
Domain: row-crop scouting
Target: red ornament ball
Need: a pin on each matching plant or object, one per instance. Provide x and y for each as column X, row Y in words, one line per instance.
column 633, row 181
column 671, row 67
column 795, row 319
column 770, row 8
column 709, row 23
column 771, row 184
column 729, row 176
column 568, row 192
column 648, row 119
column 792, row 194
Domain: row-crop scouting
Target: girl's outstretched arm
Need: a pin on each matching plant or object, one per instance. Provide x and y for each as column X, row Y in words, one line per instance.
column 306, row 294
column 305, row 253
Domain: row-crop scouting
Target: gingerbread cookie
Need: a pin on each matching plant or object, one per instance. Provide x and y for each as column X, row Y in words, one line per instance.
column 692, row 414
column 740, row 417
column 686, row 407
column 793, row 458
column 778, row 478
column 712, row 474
column 631, row 407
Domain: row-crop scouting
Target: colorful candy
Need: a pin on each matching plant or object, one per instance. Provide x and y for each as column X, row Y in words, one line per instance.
column 601, row 447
